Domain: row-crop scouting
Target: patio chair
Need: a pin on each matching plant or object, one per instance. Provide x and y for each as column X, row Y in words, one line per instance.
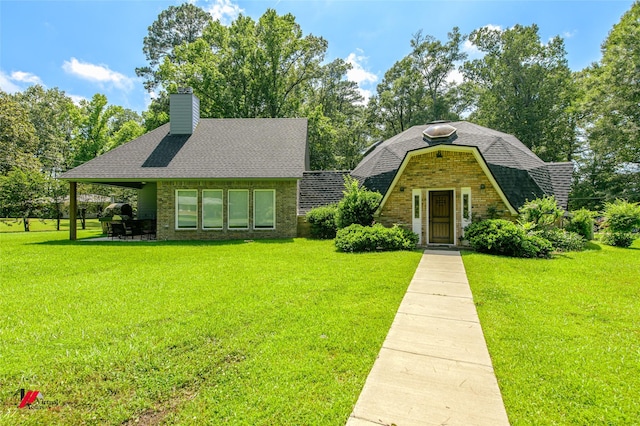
column 128, row 230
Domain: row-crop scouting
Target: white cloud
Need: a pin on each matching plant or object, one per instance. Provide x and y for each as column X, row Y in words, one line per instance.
column 7, row 85
column 455, row 77
column 77, row 99
column 97, row 73
column 224, row 10
column 12, row 83
column 358, row 74
column 25, row 77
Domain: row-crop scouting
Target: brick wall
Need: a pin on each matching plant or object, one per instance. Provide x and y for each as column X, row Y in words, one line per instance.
column 453, row 171
column 286, row 210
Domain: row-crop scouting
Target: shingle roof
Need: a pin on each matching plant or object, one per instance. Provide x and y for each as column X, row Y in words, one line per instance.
column 520, row 173
column 219, row 148
column 320, row 188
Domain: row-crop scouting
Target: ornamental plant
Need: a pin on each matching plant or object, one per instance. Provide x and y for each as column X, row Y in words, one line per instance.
column 622, row 223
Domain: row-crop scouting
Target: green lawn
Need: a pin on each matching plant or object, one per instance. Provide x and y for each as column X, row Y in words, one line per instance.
column 563, row 334
column 256, row 333
column 37, row 225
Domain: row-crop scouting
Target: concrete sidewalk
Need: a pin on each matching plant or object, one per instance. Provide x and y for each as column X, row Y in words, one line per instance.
column 434, row 367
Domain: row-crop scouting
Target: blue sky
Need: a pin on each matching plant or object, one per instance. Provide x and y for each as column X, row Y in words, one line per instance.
column 88, row 47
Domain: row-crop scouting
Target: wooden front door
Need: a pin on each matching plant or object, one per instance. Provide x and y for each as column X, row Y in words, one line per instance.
column 441, row 217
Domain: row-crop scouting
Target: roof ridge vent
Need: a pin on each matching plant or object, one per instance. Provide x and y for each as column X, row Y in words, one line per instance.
column 439, row 131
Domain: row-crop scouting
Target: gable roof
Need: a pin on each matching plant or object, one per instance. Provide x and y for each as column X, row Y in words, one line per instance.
column 520, row 173
column 242, row 148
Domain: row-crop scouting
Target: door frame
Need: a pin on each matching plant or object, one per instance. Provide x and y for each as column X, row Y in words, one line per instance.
column 454, row 210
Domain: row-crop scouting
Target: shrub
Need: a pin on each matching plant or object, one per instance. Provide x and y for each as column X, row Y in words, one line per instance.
column 500, row 236
column 543, row 212
column 582, row 223
column 621, row 222
column 358, row 204
column 618, row 239
column 563, row 240
column 358, row 238
column 323, row 221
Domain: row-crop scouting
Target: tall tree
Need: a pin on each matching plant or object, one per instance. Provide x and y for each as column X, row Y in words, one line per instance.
column 524, row 87
column 174, row 26
column 610, row 166
column 250, row 69
column 401, row 100
column 435, row 61
column 18, row 140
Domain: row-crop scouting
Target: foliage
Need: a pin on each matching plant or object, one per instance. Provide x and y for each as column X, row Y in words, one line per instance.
column 21, row 192
column 562, row 240
column 358, row 204
column 562, row 327
column 323, row 221
column 18, row 142
column 358, row 238
column 174, row 26
column 622, row 223
column 542, row 213
column 502, row 237
column 582, row 222
column 434, row 62
column 524, row 87
column 267, row 332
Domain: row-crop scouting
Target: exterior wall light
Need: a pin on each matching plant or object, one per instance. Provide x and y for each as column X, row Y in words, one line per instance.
column 439, row 154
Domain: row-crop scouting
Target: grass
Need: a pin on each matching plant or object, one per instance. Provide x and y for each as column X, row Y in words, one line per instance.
column 38, row 225
column 563, row 334
column 260, row 333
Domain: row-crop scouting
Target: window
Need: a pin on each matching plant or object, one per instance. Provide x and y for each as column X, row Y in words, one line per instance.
column 416, row 206
column 466, row 206
column 212, row 209
column 264, row 208
column 238, row 209
column 186, row 208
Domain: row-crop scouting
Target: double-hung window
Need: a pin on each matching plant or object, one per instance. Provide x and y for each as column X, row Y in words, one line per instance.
column 212, row 209
column 186, row 208
column 264, row 209
column 238, row 209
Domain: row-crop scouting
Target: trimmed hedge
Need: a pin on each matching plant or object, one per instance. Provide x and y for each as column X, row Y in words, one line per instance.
column 358, row 238
column 323, row 221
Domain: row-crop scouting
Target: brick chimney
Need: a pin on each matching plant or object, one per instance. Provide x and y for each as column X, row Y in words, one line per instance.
column 184, row 111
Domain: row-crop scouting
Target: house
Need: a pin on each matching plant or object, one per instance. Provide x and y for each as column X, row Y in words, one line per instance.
column 206, row 178
column 435, row 178
column 222, row 179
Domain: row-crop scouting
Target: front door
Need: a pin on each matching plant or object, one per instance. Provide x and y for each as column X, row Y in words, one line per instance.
column 441, row 217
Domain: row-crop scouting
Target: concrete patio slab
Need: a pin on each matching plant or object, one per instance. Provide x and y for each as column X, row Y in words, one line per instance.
column 434, row 367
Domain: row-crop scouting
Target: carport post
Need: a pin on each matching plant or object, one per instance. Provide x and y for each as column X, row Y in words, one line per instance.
column 73, row 210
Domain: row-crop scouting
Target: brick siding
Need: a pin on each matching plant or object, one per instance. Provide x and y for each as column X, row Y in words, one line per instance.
column 455, row 170
column 286, row 210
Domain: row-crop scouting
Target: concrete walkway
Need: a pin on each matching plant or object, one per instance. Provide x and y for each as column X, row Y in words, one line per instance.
column 434, row 367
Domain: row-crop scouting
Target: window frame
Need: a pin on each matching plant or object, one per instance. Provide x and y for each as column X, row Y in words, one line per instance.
column 465, row 192
column 229, row 204
column 273, row 207
column 203, row 217
column 177, row 210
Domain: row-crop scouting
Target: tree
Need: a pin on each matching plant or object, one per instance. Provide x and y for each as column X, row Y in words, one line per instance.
column 21, row 192
column 401, row 100
column 174, row 26
column 250, row 69
column 18, row 141
column 524, row 87
column 435, row 61
column 610, row 117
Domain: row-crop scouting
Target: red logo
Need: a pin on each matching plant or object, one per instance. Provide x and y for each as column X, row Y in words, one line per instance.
column 29, row 398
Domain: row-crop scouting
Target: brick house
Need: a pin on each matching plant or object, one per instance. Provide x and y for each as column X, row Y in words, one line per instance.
column 209, row 179
column 220, row 179
column 435, row 178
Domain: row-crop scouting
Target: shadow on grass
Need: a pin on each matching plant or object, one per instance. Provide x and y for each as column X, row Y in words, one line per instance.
column 92, row 241
column 592, row 246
